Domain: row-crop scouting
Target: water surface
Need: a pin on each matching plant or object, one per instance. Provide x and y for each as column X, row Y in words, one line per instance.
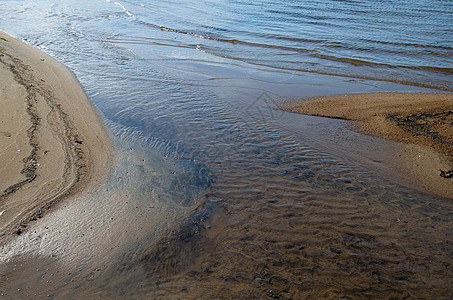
column 215, row 192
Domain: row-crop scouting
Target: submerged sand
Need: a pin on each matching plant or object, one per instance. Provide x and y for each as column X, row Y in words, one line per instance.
column 52, row 141
column 420, row 122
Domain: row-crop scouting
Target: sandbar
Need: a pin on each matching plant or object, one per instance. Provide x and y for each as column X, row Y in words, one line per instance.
column 421, row 124
column 53, row 143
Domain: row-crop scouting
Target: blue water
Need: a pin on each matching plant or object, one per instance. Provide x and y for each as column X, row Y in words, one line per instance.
column 407, row 42
column 196, row 84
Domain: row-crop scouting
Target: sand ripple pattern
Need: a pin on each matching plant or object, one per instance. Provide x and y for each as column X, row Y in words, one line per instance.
column 281, row 219
column 297, row 226
column 285, row 221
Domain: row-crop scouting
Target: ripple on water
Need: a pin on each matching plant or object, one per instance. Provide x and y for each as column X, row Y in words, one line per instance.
column 279, row 219
column 367, row 241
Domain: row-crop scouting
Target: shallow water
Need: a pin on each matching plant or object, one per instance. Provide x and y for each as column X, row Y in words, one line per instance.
column 215, row 192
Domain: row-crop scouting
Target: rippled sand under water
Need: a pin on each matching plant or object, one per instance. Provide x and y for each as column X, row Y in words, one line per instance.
column 316, row 230
column 292, row 222
column 276, row 219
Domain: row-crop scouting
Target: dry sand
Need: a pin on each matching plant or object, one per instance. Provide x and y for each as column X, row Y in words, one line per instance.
column 421, row 123
column 52, row 141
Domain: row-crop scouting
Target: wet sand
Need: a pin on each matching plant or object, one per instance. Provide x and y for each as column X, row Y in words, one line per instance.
column 52, row 141
column 420, row 122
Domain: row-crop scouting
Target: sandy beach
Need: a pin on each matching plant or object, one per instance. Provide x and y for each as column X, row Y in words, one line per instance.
column 420, row 122
column 52, row 141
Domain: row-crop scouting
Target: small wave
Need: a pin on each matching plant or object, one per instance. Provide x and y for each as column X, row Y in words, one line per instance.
column 414, row 45
column 370, row 63
column 231, row 41
column 124, row 8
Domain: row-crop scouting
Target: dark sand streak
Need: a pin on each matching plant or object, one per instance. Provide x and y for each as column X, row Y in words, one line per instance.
column 50, row 118
column 73, row 153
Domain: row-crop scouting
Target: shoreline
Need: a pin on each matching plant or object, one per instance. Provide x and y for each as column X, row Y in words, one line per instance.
column 53, row 143
column 420, row 124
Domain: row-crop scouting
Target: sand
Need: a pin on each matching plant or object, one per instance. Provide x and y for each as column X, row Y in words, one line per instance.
column 421, row 123
column 52, row 141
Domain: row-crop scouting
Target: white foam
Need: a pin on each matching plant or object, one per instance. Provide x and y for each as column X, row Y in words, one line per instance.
column 125, row 9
